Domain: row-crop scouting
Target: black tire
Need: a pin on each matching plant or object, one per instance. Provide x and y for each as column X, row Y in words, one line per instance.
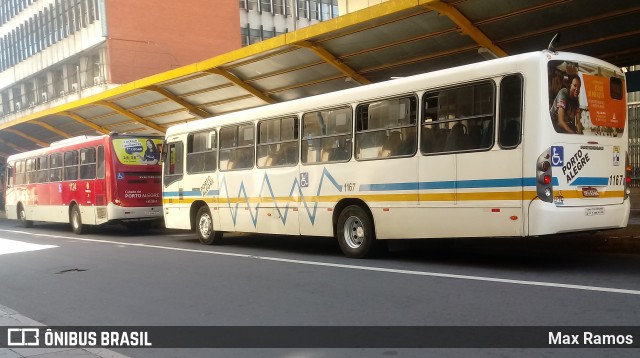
column 355, row 233
column 75, row 218
column 22, row 216
column 204, row 227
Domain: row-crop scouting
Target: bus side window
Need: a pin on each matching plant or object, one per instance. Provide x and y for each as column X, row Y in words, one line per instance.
column 55, row 167
column 20, row 173
column 386, row 128
column 327, row 135
column 88, row 163
column 43, row 169
column 71, row 165
column 9, row 176
column 100, row 162
column 510, row 111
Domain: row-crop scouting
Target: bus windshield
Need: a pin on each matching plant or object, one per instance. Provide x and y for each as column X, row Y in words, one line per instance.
column 586, row 99
column 138, row 151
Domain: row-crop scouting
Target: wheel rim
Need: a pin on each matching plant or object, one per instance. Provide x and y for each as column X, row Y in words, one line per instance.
column 76, row 219
column 205, row 225
column 354, row 232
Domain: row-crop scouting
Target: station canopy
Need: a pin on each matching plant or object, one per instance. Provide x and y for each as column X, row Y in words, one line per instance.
column 396, row 38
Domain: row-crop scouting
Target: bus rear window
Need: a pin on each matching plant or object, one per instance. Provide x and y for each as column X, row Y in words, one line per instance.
column 138, row 151
column 615, row 87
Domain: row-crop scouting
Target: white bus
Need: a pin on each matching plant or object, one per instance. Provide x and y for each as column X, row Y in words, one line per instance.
column 527, row 145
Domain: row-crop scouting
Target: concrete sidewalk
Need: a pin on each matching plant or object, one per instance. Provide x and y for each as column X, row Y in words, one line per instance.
column 11, row 318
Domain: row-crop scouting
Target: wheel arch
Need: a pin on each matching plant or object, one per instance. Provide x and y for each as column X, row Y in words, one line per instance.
column 193, row 211
column 72, row 203
column 342, row 204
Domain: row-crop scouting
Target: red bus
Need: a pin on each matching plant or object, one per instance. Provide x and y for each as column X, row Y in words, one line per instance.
column 86, row 181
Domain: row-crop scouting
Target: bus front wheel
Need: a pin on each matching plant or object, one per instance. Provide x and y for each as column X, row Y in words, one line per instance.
column 204, row 227
column 22, row 216
column 355, row 232
column 76, row 221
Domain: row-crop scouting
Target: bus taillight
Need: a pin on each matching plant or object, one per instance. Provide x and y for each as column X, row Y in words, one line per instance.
column 627, row 177
column 544, row 183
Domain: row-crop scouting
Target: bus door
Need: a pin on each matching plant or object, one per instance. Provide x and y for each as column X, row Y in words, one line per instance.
column 239, row 182
column 490, row 173
column 481, row 178
column 173, row 186
column 277, row 153
column 436, row 168
column 436, row 180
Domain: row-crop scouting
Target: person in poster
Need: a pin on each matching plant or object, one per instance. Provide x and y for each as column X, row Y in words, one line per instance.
column 151, row 154
column 565, row 109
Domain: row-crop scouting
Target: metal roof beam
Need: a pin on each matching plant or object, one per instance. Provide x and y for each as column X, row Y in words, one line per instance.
column 131, row 115
column 333, row 61
column 17, row 148
column 52, row 128
column 87, row 123
column 28, row 137
column 240, row 83
column 466, row 26
column 198, row 112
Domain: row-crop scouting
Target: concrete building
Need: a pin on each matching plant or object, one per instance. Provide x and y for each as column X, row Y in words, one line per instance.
column 264, row 19
column 55, row 51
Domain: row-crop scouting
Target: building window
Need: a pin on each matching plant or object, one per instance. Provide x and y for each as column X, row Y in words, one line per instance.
column 279, row 6
column 265, row 5
column 252, row 5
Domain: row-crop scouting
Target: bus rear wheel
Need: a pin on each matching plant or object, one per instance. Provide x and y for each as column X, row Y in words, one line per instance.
column 76, row 221
column 22, row 216
column 355, row 233
column 204, row 227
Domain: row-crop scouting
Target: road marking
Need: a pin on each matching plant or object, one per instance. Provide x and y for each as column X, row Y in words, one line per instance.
column 350, row 267
column 11, row 246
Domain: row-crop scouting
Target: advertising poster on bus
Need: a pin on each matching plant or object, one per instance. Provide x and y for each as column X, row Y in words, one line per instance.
column 138, row 151
column 586, row 99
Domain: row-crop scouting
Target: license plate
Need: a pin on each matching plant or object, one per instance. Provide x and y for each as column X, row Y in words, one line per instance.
column 589, row 192
column 598, row 210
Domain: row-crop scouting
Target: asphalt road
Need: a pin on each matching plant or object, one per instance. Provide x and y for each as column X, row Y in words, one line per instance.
column 166, row 278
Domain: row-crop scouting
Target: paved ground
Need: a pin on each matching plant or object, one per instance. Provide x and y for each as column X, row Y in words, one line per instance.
column 625, row 240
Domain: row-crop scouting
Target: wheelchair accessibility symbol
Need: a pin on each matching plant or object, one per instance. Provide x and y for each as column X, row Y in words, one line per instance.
column 557, row 156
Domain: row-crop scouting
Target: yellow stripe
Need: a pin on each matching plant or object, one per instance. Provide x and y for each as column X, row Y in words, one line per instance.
column 574, row 194
column 445, row 197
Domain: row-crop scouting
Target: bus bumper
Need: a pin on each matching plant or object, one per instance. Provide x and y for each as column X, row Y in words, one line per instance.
column 547, row 218
column 115, row 212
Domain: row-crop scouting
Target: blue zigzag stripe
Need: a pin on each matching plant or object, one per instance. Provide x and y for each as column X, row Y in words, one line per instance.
column 283, row 211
